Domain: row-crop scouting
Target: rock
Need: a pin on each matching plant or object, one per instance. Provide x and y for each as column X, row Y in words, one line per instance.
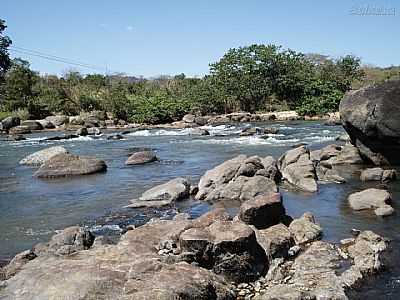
column 370, row 199
column 19, row 130
column 378, row 174
column 348, row 154
column 68, row 241
column 199, row 131
column 46, row 124
column 333, row 119
column 201, row 121
column 236, row 179
column 131, row 269
column 32, row 125
column 58, row 120
column 83, row 131
column 284, row 292
column 165, row 194
column 344, row 138
column 297, row 168
column 219, row 120
column 115, row 137
column 276, row 241
column 328, row 174
column 305, row 230
column 93, row 131
column 142, row 157
column 383, row 211
column 189, row 118
column 271, row 130
column 371, row 116
column 64, row 137
column 263, row 211
column 16, row 137
column 16, row 264
column 217, row 214
column 228, row 248
column 10, row 122
column 40, row 157
column 63, row 165
column 76, row 120
column 389, row 175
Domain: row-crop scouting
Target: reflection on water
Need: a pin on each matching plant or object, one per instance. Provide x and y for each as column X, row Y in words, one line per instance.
column 32, row 209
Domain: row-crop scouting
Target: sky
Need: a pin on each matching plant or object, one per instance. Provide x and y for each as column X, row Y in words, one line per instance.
column 150, row 38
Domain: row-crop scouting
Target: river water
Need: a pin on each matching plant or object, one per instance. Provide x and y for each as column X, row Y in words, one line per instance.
column 31, row 209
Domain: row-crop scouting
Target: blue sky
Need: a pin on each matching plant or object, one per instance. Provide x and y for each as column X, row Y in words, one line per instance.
column 169, row 37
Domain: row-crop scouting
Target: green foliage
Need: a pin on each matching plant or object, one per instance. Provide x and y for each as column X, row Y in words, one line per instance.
column 5, row 42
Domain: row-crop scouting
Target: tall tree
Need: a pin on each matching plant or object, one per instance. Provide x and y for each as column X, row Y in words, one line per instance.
column 5, row 42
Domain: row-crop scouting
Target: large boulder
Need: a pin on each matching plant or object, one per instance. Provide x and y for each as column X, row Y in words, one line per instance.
column 371, row 116
column 262, row 211
column 40, row 157
column 46, row 124
column 240, row 178
column 10, row 122
column 32, row 124
column 228, row 248
column 189, row 118
column 64, row 165
column 164, row 194
column 372, row 199
column 57, row 120
column 141, row 157
column 298, row 169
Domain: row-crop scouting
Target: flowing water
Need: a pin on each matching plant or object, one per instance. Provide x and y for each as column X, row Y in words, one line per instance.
column 31, row 210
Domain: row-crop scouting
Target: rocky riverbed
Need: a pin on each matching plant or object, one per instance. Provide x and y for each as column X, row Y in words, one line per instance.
column 247, row 246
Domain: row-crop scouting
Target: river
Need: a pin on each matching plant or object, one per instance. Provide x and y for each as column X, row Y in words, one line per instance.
column 31, row 210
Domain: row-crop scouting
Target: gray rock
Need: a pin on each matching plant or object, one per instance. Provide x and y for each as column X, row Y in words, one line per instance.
column 40, row 157
column 76, row 120
column 32, row 125
column 305, row 230
column 370, row 199
column 389, row 175
column 263, row 211
column 276, row 241
column 165, row 194
column 142, row 157
column 10, row 122
column 93, row 131
column 83, row 131
column 16, row 264
column 236, row 179
column 58, row 120
column 189, row 118
column 201, row 121
column 378, row 174
column 371, row 116
column 46, row 124
column 199, row 131
column 64, row 165
column 21, row 129
column 298, row 169
column 228, row 248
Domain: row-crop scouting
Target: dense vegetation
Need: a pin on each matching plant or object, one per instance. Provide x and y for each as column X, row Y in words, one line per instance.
column 252, row 78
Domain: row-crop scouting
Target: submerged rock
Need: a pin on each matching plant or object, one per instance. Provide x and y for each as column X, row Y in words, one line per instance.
column 63, row 165
column 371, row 116
column 141, row 157
column 164, row 194
column 40, row 157
column 372, row 199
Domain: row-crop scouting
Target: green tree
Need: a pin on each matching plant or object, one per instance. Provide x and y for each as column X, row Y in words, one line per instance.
column 5, row 42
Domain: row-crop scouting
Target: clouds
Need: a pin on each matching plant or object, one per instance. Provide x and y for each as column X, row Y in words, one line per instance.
column 129, row 27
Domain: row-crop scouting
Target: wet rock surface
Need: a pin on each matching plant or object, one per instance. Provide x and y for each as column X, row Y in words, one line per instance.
column 40, row 157
column 374, row 199
column 141, row 157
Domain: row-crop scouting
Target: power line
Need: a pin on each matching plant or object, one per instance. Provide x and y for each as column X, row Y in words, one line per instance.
column 51, row 57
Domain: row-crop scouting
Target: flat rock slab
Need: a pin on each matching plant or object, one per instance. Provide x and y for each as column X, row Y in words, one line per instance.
column 163, row 194
column 64, row 165
column 40, row 157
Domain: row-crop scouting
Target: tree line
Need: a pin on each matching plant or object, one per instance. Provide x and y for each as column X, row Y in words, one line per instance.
column 251, row 78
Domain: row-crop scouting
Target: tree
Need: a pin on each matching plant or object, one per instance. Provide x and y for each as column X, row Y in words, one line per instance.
column 19, row 81
column 5, row 42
